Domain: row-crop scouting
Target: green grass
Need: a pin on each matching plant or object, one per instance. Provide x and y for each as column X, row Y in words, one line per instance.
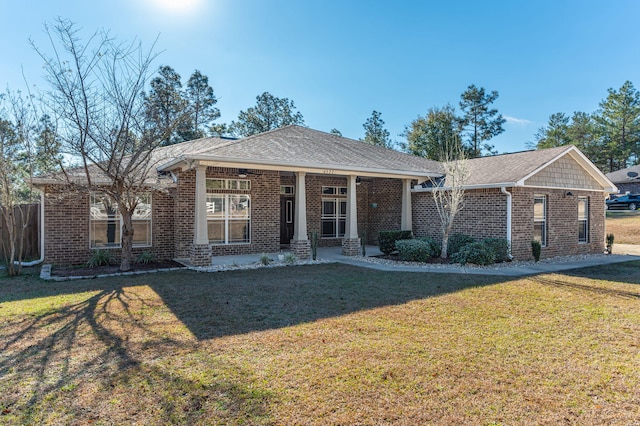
column 322, row 344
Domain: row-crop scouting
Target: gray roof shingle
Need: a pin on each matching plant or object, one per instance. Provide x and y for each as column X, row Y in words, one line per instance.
column 301, row 146
column 506, row 168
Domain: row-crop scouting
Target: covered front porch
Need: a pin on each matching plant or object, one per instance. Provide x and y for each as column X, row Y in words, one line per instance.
column 339, row 207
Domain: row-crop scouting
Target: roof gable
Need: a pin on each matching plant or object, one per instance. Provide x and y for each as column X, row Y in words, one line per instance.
column 560, row 167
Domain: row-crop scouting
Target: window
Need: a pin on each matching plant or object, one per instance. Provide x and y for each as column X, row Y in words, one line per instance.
column 334, row 190
column 334, row 217
column 287, row 190
column 583, row 219
column 540, row 219
column 105, row 227
column 229, row 218
column 234, row 184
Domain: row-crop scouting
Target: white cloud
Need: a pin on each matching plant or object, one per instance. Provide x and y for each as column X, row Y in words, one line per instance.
column 517, row 121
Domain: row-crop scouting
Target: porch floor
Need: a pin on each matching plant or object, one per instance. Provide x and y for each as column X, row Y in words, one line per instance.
column 324, row 253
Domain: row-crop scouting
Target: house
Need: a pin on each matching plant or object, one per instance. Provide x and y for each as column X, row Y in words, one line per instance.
column 217, row 196
column 627, row 180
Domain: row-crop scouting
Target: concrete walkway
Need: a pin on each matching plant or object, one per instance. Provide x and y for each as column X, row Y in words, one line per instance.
column 622, row 253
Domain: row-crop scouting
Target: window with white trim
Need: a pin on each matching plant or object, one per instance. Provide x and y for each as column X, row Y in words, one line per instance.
column 583, row 219
column 540, row 219
column 334, row 217
column 229, row 218
column 105, row 222
column 233, row 184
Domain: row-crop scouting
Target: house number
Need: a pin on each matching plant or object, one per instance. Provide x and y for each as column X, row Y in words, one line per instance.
column 329, row 172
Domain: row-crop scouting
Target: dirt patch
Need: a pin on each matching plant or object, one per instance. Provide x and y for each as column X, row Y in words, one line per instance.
column 84, row 271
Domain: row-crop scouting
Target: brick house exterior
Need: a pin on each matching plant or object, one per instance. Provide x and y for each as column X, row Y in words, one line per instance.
column 279, row 187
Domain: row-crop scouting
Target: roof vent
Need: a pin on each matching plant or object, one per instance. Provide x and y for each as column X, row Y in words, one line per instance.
column 632, row 175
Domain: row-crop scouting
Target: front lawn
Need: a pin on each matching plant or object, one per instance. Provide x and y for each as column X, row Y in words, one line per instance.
column 322, row 344
column 624, row 225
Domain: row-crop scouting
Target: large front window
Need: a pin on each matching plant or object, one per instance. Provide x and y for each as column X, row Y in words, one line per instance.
column 334, row 217
column 583, row 219
column 229, row 218
column 540, row 219
column 105, row 229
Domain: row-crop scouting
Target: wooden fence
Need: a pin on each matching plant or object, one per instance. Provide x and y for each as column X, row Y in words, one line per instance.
column 29, row 214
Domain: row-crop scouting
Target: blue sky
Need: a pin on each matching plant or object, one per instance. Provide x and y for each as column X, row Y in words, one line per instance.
column 340, row 60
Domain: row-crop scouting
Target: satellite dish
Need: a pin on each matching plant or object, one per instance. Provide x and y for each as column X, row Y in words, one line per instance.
column 632, row 175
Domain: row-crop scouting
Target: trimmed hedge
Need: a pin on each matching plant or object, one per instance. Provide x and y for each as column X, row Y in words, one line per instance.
column 456, row 242
column 387, row 240
column 417, row 250
column 500, row 247
column 478, row 253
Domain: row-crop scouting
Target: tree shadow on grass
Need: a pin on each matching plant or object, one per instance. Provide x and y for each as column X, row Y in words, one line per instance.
column 239, row 302
column 59, row 363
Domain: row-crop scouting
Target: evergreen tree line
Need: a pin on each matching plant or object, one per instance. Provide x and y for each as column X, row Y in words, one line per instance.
column 609, row 137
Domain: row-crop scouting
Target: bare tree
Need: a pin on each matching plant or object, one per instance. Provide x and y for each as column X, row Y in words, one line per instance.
column 97, row 96
column 449, row 190
column 18, row 124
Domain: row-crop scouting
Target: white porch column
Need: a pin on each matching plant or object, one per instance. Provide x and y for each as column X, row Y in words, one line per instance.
column 300, row 244
column 351, row 230
column 200, row 230
column 200, row 249
column 300, row 221
column 406, row 220
column 351, row 241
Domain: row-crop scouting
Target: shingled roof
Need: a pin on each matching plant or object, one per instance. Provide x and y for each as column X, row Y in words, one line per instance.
column 511, row 168
column 628, row 175
column 520, row 169
column 298, row 146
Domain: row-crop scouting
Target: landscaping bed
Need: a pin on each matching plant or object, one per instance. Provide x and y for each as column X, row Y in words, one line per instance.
column 90, row 271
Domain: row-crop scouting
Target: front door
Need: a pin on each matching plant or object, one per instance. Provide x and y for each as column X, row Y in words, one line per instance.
column 286, row 219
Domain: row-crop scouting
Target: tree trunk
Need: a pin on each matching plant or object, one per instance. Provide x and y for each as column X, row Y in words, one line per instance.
column 445, row 243
column 127, row 241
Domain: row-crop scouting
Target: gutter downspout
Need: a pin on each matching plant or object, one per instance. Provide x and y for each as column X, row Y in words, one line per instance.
column 508, row 194
column 38, row 261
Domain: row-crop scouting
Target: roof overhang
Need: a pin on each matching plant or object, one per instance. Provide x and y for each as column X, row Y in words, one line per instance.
column 188, row 162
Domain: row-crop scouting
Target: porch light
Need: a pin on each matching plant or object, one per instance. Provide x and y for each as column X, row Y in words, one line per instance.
column 358, row 180
column 242, row 173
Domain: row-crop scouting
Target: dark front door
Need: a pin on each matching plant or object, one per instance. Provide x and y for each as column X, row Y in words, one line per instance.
column 286, row 219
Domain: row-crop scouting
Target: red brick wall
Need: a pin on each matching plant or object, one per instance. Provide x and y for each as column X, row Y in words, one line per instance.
column 484, row 214
column 562, row 223
column 67, row 227
column 386, row 194
column 265, row 211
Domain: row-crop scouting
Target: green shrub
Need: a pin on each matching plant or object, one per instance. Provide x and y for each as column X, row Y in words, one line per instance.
column 417, row 250
column 314, row 245
column 477, row 253
column 536, row 248
column 500, row 247
column 610, row 239
column 387, row 240
column 456, row 242
column 265, row 259
column 99, row 258
column 290, row 258
column 436, row 248
column 146, row 257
